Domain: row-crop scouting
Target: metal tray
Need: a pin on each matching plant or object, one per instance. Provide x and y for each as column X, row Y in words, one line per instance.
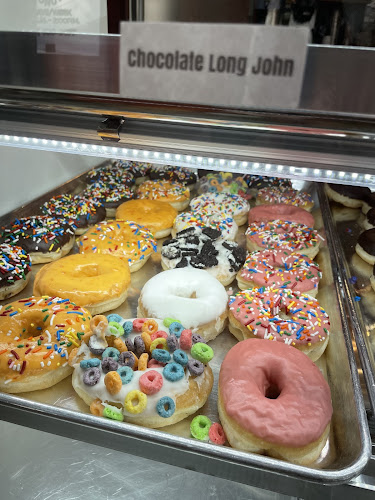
column 58, row 410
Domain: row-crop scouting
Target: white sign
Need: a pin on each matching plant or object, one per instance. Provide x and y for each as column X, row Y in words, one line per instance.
column 213, row 64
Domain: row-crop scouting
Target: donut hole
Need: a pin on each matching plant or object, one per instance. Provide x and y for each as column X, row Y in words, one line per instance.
column 34, row 324
column 182, row 293
column 273, row 391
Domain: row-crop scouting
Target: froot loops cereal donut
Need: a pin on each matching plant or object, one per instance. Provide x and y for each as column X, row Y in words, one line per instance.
column 157, row 216
column 203, row 249
column 227, row 204
column 37, row 335
column 81, row 213
column 274, row 400
column 173, row 193
column 225, row 225
column 272, row 195
column 43, row 238
column 279, row 211
column 171, row 173
column 98, row 282
column 15, row 266
column 280, row 269
column 227, row 182
column 108, row 195
column 126, row 240
column 192, row 295
column 281, row 315
column 279, row 234
column 170, row 386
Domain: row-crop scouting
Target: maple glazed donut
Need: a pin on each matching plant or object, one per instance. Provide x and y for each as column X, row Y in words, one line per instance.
column 44, row 238
column 174, row 193
column 140, row 371
column 272, row 195
column 280, row 269
column 289, row 213
column 288, row 236
column 227, row 204
column 15, row 267
column 125, row 240
column 273, row 399
column 191, row 295
column 157, row 216
column 98, row 282
column 220, row 222
column 37, row 335
column 280, row 315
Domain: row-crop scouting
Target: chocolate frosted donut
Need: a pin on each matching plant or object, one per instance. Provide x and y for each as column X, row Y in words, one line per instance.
column 204, row 248
column 171, row 173
column 15, row 266
column 369, row 221
column 137, row 169
column 80, row 212
column 111, row 174
column 108, row 195
column 256, row 182
column 44, row 238
column 365, row 246
column 368, row 203
column 350, row 196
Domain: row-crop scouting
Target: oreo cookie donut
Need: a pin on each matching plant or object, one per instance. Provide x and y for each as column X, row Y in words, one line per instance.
column 349, row 196
column 365, row 246
column 80, row 212
column 108, row 195
column 44, row 238
column 204, row 248
column 15, row 266
column 143, row 371
column 171, row 173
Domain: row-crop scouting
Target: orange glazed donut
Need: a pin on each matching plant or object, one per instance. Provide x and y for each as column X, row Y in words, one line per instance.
column 274, row 400
column 37, row 335
column 174, row 193
column 98, row 282
column 157, row 216
column 127, row 240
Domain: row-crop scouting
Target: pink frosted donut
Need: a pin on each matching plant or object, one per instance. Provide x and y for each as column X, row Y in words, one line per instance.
column 280, row 269
column 272, row 195
column 273, row 399
column 280, row 315
column 290, row 213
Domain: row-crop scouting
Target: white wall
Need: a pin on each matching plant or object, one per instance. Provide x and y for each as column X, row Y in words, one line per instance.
column 28, row 173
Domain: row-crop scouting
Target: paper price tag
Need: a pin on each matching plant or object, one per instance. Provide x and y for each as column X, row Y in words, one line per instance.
column 213, row 64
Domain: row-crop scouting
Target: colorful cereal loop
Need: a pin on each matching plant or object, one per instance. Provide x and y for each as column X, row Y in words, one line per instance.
column 165, row 407
column 202, row 352
column 115, row 329
column 113, row 414
column 151, row 382
column 135, row 402
column 173, row 372
column 150, row 326
column 199, row 427
column 155, row 344
column 161, row 355
column 217, row 434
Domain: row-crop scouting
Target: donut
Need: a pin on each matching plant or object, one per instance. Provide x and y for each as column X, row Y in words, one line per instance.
column 365, row 246
column 192, row 295
column 288, row 236
column 44, row 238
column 227, row 182
column 157, row 216
column 368, row 221
column 80, row 212
column 289, row 213
column 126, row 240
column 230, row 205
column 108, row 195
column 37, row 335
column 280, row 269
column 97, row 282
column 114, row 174
column 368, row 202
column 203, row 248
column 175, row 174
column 137, row 169
column 350, row 196
column 153, row 385
column 15, row 266
column 225, row 225
column 256, row 182
column 281, row 315
column 272, row 399
column 174, row 193
column 272, row 195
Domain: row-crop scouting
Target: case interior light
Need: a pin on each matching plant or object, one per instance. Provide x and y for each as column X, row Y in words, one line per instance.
column 162, row 158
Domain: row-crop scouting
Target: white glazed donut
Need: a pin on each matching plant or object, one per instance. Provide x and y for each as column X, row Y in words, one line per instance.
column 222, row 223
column 232, row 205
column 193, row 296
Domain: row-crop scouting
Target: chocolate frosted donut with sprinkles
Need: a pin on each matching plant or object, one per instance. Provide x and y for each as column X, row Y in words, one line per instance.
column 172, row 173
column 80, row 212
column 37, row 335
column 137, row 169
column 280, row 269
column 108, row 195
column 203, row 248
column 279, row 234
column 114, row 175
column 44, row 238
column 15, row 266
column 272, row 195
column 280, row 315
column 256, row 182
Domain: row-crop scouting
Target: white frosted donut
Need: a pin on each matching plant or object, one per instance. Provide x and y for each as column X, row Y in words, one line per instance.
column 193, row 296
column 232, row 205
column 222, row 223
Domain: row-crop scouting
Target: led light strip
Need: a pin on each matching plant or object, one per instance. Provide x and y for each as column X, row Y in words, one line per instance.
column 120, row 153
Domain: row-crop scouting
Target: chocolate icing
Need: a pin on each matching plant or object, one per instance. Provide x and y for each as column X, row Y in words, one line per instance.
column 15, row 264
column 366, row 240
column 171, row 173
column 370, row 216
column 260, row 182
column 111, row 174
column 354, row 192
column 108, row 195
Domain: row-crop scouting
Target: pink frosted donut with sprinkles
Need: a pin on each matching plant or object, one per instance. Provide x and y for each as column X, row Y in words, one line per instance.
column 230, row 205
column 280, row 269
column 278, row 234
column 15, row 267
column 281, row 315
column 271, row 195
column 225, row 225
